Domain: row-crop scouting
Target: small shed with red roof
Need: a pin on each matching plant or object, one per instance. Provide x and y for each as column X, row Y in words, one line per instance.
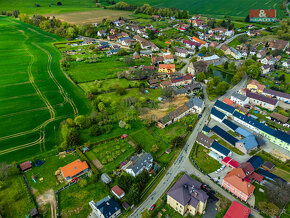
column 118, row 192
column 230, row 162
column 237, row 210
column 25, row 166
column 124, row 136
column 228, row 101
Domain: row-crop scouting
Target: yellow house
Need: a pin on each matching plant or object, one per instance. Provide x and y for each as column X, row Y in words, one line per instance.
column 255, row 86
column 166, row 68
column 187, row 196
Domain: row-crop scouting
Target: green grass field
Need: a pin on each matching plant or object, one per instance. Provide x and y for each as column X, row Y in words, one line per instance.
column 47, row 6
column 237, row 8
column 35, row 95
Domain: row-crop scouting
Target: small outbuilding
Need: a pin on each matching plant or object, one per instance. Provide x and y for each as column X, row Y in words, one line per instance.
column 38, row 163
column 237, row 210
column 105, row 178
column 268, row 166
column 118, row 192
column 25, row 166
column 34, row 213
column 124, row 136
column 125, row 205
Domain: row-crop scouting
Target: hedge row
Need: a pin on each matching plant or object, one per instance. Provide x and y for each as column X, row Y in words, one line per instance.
column 92, row 166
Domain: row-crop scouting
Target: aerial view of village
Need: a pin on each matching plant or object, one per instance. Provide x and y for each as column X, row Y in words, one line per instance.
column 141, row 109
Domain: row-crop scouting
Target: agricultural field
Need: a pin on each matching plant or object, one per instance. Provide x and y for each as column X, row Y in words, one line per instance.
column 111, row 154
column 217, row 8
column 33, row 91
column 86, row 17
column 45, row 6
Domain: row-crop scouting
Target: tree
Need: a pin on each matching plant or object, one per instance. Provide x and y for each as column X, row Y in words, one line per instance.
column 95, row 130
column 154, row 148
column 80, row 121
column 279, row 193
column 167, row 92
column 216, row 80
column 101, row 106
column 71, row 32
column 210, row 87
column 125, row 181
column 282, row 78
column 226, row 65
column 254, row 70
column 222, row 87
column 138, row 148
column 269, row 208
column 4, row 170
column 72, row 138
column 277, row 52
column 15, row 13
column 59, row 3
column 247, row 19
column 134, row 195
column 122, row 52
column 129, row 60
column 120, row 90
column 232, row 66
column 177, row 141
column 243, row 38
column 201, row 77
column 143, row 178
column 138, row 47
column 122, row 124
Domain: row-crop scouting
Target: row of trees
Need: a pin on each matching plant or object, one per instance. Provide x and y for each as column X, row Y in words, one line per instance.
column 147, row 9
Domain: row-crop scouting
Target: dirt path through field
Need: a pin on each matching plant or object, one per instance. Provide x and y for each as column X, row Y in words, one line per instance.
column 48, row 198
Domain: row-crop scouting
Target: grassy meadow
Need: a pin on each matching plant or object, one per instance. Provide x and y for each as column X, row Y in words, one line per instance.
column 218, row 8
column 33, row 91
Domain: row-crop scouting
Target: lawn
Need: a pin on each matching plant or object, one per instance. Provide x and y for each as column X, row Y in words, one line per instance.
column 33, row 91
column 47, row 170
column 111, row 153
column 232, row 133
column 107, row 68
column 146, row 139
column 74, row 201
column 203, row 160
column 14, row 198
column 108, row 84
column 282, row 173
column 29, row 6
column 259, row 196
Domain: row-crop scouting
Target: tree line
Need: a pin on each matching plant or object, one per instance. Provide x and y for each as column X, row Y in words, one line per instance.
column 149, row 10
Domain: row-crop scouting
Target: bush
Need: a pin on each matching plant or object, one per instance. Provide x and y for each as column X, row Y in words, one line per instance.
column 83, row 183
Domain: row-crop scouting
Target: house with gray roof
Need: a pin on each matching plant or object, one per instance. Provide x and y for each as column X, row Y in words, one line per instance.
column 105, row 208
column 186, row 196
column 240, row 99
column 140, row 163
column 261, row 100
column 281, row 96
column 196, row 104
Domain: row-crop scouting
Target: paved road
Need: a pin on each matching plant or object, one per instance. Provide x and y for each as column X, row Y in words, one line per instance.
column 229, row 40
column 182, row 163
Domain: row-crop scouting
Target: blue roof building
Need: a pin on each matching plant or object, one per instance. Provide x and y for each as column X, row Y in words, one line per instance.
column 270, row 176
column 243, row 132
column 219, row 149
column 256, row 161
column 217, row 115
column 247, row 144
column 223, row 134
column 107, row 207
column 227, row 109
column 230, row 124
column 206, row 129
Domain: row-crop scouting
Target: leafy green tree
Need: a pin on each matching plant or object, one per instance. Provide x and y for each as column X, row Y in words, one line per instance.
column 120, row 90
column 154, row 148
column 95, row 130
column 216, row 80
column 254, row 70
column 138, row 148
column 145, row 214
column 72, row 138
column 210, row 87
column 137, row 47
column 177, row 141
column 222, row 87
column 201, row 77
column 80, row 121
column 122, row 52
column 134, row 194
column 243, row 38
column 125, row 182
column 226, row 65
column 101, row 106
column 83, row 183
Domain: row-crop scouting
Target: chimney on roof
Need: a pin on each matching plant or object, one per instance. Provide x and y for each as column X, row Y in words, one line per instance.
column 185, row 186
column 195, row 194
column 108, row 203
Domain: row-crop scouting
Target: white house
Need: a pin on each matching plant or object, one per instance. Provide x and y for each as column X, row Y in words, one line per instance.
column 240, row 99
column 105, row 208
column 180, row 52
column 140, row 163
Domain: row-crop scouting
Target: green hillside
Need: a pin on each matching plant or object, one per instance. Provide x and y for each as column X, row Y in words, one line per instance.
column 47, row 6
column 238, row 8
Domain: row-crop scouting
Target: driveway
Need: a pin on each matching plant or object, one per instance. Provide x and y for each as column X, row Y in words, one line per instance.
column 211, row 208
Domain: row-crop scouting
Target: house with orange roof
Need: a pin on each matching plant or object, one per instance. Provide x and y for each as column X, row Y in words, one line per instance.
column 166, row 68
column 168, row 59
column 255, row 86
column 74, row 169
column 199, row 41
column 228, row 101
column 236, row 183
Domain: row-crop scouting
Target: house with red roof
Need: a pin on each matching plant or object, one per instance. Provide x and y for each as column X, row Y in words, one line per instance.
column 228, row 101
column 236, row 183
column 74, row 169
column 183, row 80
column 230, row 162
column 237, row 210
column 199, row 41
column 118, row 192
column 25, row 166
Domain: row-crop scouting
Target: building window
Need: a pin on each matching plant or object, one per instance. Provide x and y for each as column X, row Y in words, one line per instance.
column 176, row 203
